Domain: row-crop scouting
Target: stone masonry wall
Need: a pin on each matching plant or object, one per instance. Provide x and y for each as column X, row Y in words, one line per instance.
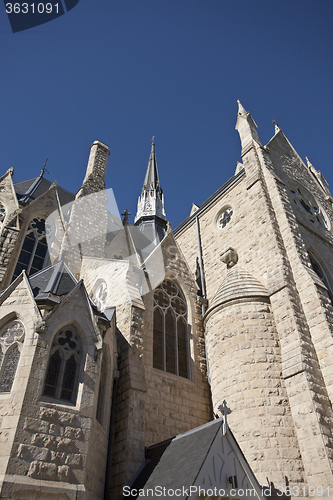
column 55, row 442
column 254, row 232
column 242, row 340
column 153, row 405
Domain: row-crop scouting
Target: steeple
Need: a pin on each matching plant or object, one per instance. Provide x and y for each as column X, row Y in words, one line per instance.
column 152, row 180
column 150, row 214
column 247, row 127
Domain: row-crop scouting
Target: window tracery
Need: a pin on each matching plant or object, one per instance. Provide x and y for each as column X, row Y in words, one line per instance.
column 100, row 296
column 11, row 341
column 170, row 342
column 307, row 205
column 2, row 213
column 61, row 380
column 34, row 248
column 224, row 218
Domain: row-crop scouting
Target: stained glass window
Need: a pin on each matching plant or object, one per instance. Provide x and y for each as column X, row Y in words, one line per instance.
column 61, row 379
column 11, row 340
column 170, row 341
column 34, row 248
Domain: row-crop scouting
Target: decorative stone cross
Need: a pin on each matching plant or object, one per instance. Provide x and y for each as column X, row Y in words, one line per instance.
column 125, row 215
column 225, row 411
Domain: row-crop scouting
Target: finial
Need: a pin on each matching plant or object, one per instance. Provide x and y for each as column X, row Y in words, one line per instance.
column 125, row 215
column 225, row 411
column 44, row 168
column 308, row 162
column 241, row 109
column 277, row 128
column 168, row 228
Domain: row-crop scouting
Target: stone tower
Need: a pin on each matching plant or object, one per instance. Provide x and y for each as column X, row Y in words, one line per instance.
column 268, row 325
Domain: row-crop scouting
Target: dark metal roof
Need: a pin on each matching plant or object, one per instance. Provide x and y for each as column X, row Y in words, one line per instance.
column 23, row 187
column 56, row 279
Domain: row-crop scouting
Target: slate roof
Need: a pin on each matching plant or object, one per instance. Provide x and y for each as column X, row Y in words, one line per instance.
column 153, row 455
column 175, row 465
column 54, row 282
column 23, row 187
column 176, row 462
column 183, row 458
column 56, row 279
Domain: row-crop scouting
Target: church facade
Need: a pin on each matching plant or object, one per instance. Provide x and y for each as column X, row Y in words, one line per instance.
column 112, row 345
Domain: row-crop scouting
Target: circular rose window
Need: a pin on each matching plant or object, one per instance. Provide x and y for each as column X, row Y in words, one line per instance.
column 307, row 205
column 224, row 218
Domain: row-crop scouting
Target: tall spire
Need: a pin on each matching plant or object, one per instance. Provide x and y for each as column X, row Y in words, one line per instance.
column 151, row 211
column 152, row 180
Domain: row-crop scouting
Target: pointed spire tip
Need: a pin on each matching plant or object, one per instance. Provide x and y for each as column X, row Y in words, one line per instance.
column 241, row 109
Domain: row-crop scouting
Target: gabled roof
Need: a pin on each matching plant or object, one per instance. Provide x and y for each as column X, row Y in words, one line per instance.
column 206, row 457
column 37, row 188
column 54, row 280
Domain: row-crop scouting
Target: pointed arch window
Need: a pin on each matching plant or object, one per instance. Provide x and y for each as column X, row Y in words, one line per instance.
column 321, row 275
column 34, row 248
column 2, row 214
column 62, row 376
column 11, row 342
column 170, row 338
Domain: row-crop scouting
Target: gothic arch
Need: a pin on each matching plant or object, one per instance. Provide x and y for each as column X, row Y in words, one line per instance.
column 12, row 335
column 64, row 365
column 34, row 251
column 171, row 346
column 321, row 273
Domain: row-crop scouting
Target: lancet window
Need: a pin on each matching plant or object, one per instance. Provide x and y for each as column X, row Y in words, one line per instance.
column 11, row 341
column 62, row 374
column 34, row 248
column 321, row 275
column 170, row 337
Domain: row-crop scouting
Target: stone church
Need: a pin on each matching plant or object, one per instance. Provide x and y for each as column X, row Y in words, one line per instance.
column 135, row 358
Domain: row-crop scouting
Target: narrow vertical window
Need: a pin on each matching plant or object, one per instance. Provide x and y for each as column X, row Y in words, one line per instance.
column 321, row 275
column 11, row 341
column 34, row 248
column 170, row 340
column 61, row 381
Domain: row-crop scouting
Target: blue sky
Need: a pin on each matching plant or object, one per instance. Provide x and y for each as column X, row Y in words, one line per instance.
column 123, row 71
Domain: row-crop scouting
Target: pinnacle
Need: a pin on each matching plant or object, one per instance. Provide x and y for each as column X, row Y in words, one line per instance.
column 241, row 109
